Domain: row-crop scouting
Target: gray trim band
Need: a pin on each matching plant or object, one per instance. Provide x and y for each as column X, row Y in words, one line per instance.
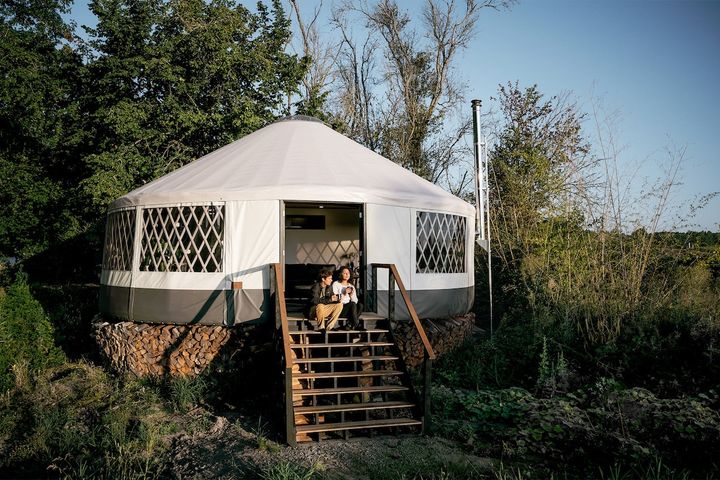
column 229, row 307
column 114, row 301
column 439, row 303
column 203, row 307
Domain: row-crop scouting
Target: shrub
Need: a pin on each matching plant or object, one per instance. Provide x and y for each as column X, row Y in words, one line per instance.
column 71, row 309
column 602, row 426
column 26, row 334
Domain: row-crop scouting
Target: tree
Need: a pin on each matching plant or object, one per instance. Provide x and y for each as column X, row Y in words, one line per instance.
column 416, row 125
column 318, row 76
column 39, row 138
column 172, row 81
column 540, row 170
column 158, row 84
column 390, row 84
column 568, row 246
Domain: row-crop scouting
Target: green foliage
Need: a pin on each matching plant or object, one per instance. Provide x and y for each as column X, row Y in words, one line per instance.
column 509, row 358
column 581, row 417
column 290, row 471
column 157, row 84
column 174, row 80
column 552, row 374
column 583, row 430
column 26, row 334
column 563, row 260
column 185, row 393
column 81, row 423
column 38, row 126
column 71, row 309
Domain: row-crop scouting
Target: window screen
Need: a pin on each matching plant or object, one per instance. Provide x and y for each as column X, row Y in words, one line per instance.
column 305, row 222
column 182, row 239
column 119, row 236
column 440, row 245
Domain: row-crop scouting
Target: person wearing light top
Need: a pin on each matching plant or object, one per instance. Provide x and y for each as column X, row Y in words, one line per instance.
column 348, row 298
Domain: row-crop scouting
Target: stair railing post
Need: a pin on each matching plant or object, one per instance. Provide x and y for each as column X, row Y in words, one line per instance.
column 281, row 310
column 289, row 413
column 391, row 296
column 273, row 280
column 427, row 372
column 373, row 295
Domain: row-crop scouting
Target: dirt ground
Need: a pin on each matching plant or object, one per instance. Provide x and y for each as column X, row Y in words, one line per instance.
column 233, row 449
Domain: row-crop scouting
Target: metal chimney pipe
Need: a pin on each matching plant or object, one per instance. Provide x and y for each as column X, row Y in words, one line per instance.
column 479, row 186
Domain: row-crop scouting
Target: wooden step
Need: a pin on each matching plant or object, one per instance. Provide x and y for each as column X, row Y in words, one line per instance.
column 365, row 316
column 369, row 373
column 350, row 407
column 336, row 332
column 335, row 391
column 333, row 345
column 344, row 359
column 330, row 427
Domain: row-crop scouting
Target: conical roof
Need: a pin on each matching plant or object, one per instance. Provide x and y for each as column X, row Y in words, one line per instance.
column 295, row 159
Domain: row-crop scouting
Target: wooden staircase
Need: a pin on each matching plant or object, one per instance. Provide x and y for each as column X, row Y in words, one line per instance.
column 348, row 383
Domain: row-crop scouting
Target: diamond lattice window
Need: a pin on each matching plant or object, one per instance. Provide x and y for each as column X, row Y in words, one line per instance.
column 440, row 246
column 329, row 253
column 182, row 239
column 119, row 234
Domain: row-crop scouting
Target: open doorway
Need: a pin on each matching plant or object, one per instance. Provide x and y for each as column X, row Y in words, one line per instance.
column 320, row 236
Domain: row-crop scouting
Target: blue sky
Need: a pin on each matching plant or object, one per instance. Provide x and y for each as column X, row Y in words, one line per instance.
column 655, row 63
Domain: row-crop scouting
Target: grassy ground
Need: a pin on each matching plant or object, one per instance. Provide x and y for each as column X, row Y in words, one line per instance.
column 77, row 421
column 528, row 403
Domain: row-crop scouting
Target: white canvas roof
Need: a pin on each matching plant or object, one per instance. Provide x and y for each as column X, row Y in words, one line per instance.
column 297, row 159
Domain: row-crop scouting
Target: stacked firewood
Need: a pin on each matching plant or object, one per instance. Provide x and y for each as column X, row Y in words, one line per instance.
column 157, row 350
column 444, row 335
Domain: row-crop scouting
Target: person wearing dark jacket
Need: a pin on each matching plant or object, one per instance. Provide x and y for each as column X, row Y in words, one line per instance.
column 324, row 303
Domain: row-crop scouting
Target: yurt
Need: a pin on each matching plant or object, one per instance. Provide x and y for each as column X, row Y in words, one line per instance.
column 197, row 245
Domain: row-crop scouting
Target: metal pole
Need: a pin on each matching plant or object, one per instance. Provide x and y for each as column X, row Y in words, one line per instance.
column 489, row 257
column 482, row 197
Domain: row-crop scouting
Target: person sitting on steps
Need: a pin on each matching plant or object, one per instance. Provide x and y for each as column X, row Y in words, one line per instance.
column 323, row 303
column 348, row 298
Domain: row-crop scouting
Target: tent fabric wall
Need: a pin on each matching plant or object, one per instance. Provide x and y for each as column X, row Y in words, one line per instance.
column 251, row 243
column 391, row 238
column 295, row 160
column 287, row 161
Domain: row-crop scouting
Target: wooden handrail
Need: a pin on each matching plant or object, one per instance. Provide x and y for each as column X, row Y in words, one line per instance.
column 429, row 356
column 413, row 314
column 290, row 434
column 280, row 295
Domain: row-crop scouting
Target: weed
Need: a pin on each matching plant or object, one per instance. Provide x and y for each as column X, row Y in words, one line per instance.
column 510, row 473
column 290, row 471
column 186, row 392
column 604, row 427
column 263, row 443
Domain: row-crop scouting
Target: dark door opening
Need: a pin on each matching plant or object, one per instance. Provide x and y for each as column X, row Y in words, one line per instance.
column 321, row 236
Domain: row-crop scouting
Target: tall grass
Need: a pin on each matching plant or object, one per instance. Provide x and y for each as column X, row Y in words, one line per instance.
column 81, row 423
column 576, row 235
